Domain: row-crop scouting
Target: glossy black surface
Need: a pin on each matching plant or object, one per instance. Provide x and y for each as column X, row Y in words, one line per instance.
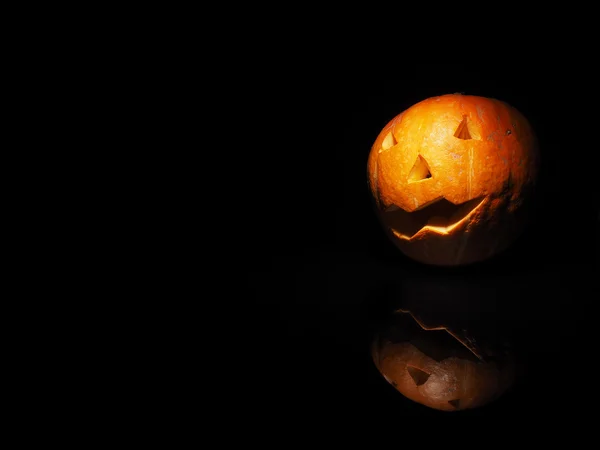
column 320, row 273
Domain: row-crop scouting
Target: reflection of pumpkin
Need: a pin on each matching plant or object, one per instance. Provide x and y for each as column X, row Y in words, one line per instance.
column 450, row 176
column 440, row 369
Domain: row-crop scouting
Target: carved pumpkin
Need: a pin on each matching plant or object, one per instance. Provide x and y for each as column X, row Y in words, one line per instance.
column 451, row 177
column 439, row 368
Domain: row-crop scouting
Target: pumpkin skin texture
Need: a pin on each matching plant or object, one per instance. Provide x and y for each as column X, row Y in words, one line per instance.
column 439, row 368
column 451, row 178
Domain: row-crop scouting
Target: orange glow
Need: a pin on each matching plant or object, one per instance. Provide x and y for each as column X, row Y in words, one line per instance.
column 449, row 153
column 438, row 229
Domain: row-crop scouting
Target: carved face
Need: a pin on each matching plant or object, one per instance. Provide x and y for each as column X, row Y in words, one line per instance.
column 450, row 177
column 440, row 369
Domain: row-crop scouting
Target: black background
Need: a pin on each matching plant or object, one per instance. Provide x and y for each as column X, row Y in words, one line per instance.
column 319, row 272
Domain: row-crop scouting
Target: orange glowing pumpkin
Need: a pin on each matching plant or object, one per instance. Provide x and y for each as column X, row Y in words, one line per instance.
column 451, row 177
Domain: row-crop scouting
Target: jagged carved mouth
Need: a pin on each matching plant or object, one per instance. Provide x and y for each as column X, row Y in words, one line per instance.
column 440, row 216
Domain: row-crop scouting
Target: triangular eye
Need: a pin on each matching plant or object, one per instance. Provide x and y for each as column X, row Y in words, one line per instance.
column 388, row 141
column 463, row 132
column 418, row 376
column 455, row 403
column 420, row 171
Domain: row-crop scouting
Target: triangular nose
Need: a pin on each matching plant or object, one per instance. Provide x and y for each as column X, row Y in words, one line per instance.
column 420, row 170
column 419, row 377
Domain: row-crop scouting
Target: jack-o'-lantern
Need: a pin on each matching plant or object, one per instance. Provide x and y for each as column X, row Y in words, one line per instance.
column 451, row 177
column 440, row 368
